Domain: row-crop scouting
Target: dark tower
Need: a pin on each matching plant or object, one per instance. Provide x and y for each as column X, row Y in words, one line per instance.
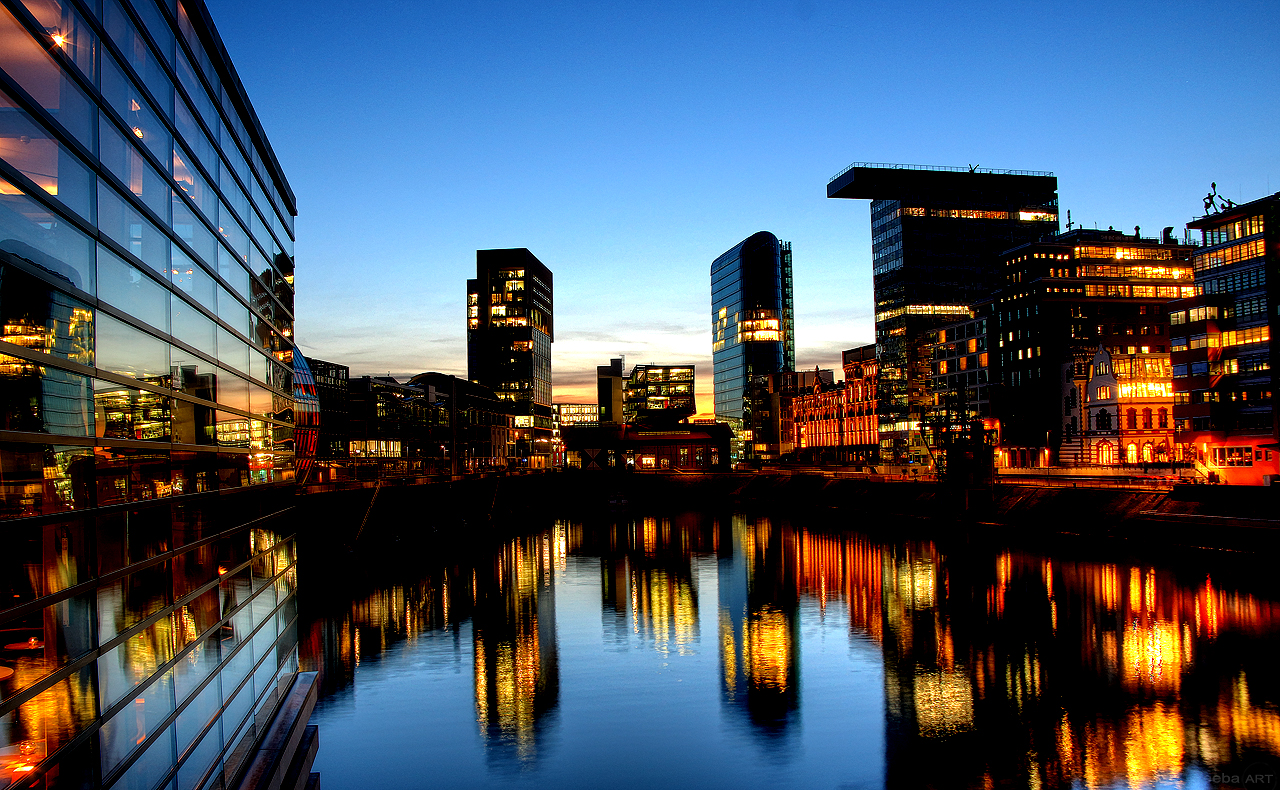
column 935, row 235
column 509, row 335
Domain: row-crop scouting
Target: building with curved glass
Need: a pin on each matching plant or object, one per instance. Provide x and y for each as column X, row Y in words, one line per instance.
column 751, row 324
column 146, row 399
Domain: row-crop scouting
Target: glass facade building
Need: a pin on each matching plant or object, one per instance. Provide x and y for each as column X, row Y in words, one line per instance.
column 509, row 336
column 146, row 398
column 751, row 325
column 935, row 235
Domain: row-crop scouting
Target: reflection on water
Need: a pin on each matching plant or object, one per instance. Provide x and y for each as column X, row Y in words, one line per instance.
column 998, row 666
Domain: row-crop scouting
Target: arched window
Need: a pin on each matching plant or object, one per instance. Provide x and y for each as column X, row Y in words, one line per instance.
column 1104, row 453
column 1131, row 453
column 1162, row 418
column 1148, row 453
column 1146, row 418
column 1131, row 419
column 1103, row 420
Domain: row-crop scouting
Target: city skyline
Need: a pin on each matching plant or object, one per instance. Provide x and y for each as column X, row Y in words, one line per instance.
column 626, row 156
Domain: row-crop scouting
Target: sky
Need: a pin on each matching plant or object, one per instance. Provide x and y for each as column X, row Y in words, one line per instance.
column 629, row 144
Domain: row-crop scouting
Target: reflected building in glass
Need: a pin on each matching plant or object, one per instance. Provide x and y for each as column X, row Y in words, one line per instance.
column 509, row 336
column 751, row 326
column 146, row 399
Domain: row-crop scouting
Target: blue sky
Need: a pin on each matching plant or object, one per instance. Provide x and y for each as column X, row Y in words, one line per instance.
column 627, row 145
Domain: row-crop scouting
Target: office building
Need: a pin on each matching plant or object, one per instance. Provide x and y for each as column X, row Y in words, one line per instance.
column 1224, row 363
column 146, row 401
column 509, row 336
column 1064, row 297
column 658, row 394
column 477, row 429
column 935, row 235
column 751, row 325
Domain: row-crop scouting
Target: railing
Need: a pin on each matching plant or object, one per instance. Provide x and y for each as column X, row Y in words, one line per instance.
column 940, row 169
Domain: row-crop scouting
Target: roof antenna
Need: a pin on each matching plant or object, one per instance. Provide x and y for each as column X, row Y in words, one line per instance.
column 1069, row 222
column 973, row 168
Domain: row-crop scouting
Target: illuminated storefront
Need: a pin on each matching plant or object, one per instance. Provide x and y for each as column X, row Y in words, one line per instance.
column 146, row 399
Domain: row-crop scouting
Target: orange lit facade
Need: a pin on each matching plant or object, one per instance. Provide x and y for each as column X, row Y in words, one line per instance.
column 839, row 422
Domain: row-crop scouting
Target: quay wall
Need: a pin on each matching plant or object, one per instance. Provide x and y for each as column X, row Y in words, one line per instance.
column 1219, row 516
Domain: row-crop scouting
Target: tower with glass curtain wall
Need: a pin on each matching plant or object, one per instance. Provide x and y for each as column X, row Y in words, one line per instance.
column 509, row 336
column 935, row 235
column 751, row 326
column 146, row 399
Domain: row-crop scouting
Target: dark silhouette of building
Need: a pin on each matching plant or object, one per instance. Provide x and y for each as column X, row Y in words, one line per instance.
column 609, row 392
column 1224, row 358
column 751, row 325
column 509, row 336
column 688, row 446
column 331, row 386
column 935, row 236
column 480, row 427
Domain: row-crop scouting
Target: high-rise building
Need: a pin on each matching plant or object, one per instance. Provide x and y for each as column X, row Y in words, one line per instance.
column 658, row 394
column 751, row 325
column 1224, row 364
column 146, row 400
column 935, row 235
column 509, row 335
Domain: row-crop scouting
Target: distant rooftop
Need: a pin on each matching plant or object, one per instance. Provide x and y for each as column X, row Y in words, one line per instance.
column 959, row 186
column 939, row 169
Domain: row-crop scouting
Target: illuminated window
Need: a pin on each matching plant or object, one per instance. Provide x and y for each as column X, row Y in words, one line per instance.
column 1104, row 393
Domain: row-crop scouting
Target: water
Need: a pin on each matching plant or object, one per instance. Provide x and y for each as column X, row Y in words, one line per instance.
column 721, row 650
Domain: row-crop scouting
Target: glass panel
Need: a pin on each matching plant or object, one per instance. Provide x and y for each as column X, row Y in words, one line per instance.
column 195, row 139
column 190, row 181
column 233, row 431
column 156, row 25
column 151, row 766
column 234, row 273
column 122, row 223
column 233, row 312
column 128, row 475
column 230, row 229
column 127, row 351
column 193, row 473
column 136, row 110
column 127, row 163
column 135, row 50
column 198, row 713
column 192, row 326
column 35, row 234
column 129, row 289
column 191, row 230
column 233, row 392
column 192, row 424
column 259, row 366
column 194, row 375
column 234, row 352
column 30, row 66
column 67, row 30
column 42, row 478
column 35, row 315
column 122, row 732
column 201, row 758
column 126, row 413
column 33, row 151
column 43, row 399
column 50, row 720
column 193, row 280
